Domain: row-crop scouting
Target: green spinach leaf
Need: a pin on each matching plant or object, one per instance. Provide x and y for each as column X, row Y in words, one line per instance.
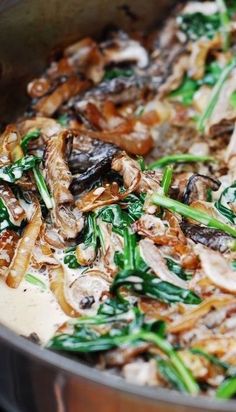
column 148, row 285
column 227, row 198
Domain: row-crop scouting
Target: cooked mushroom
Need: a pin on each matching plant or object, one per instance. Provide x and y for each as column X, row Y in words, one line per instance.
column 198, row 186
column 212, row 238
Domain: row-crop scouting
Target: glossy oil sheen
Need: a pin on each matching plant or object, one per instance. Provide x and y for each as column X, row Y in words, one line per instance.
column 33, row 379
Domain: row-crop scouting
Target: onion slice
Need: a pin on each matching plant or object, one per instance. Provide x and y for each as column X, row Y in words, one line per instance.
column 24, row 250
column 192, row 316
column 57, row 286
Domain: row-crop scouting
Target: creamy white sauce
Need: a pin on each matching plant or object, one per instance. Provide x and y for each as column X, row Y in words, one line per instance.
column 29, row 309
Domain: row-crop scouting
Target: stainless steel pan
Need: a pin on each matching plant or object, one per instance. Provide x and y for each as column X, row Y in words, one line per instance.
column 33, row 379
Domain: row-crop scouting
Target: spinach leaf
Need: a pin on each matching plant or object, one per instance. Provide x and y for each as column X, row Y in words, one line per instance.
column 212, row 74
column 32, row 135
column 227, row 197
column 167, row 180
column 113, row 73
column 134, row 205
column 170, row 374
column 85, row 339
column 232, row 100
column 233, row 264
column 15, row 171
column 71, row 261
column 39, row 179
column 113, row 307
column 148, row 285
column 140, row 264
column 63, row 120
column 42, row 187
column 213, row 359
column 90, row 237
column 35, row 281
column 198, row 25
column 215, row 95
column 227, row 388
column 140, row 159
column 185, row 92
column 190, row 212
column 5, row 221
column 117, row 217
column 174, row 267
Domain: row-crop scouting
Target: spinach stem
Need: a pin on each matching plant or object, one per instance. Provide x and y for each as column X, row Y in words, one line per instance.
column 42, row 187
column 227, row 389
column 188, row 380
column 178, row 158
column 190, row 212
column 167, row 180
column 215, row 95
column 225, row 21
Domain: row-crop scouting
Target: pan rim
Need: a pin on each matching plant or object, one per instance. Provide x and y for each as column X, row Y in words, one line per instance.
column 70, row 366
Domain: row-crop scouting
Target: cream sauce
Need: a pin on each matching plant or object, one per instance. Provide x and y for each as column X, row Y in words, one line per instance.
column 29, row 309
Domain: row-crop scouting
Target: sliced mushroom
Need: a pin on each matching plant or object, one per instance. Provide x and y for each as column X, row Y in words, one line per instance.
column 58, row 174
column 156, row 262
column 48, row 127
column 129, row 169
column 87, row 285
column 89, row 160
column 198, row 186
column 119, row 91
column 123, row 49
column 213, row 238
column 217, row 269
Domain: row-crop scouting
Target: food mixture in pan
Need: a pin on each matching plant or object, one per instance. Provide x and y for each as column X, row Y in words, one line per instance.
column 118, row 204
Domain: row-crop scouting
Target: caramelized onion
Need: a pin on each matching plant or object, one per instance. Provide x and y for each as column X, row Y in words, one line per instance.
column 192, row 316
column 138, row 142
column 24, row 250
column 49, row 104
column 57, row 286
column 8, row 241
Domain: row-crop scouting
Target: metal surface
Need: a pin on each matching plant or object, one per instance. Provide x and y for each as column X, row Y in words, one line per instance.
column 33, row 379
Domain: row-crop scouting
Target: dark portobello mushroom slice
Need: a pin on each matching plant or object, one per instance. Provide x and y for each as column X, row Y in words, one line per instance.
column 198, row 186
column 213, row 238
column 89, row 160
column 119, row 90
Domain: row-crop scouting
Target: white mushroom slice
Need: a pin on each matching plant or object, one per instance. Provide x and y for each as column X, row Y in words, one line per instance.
column 217, row 269
column 86, row 286
column 155, row 260
column 126, row 50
